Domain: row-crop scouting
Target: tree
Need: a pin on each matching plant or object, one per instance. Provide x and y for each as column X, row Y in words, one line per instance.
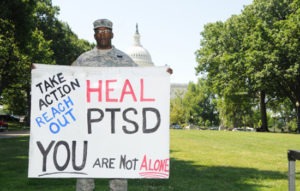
column 31, row 33
column 9, row 54
column 200, row 107
column 20, row 15
column 254, row 52
column 68, row 47
column 177, row 111
column 225, row 67
column 277, row 30
column 196, row 106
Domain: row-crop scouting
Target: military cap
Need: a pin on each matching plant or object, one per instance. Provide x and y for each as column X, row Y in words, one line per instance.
column 102, row 23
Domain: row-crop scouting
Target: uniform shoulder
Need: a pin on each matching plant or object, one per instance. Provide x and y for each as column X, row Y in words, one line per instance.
column 83, row 57
column 118, row 51
column 87, row 53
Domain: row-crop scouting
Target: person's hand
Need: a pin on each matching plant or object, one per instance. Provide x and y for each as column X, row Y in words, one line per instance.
column 170, row 70
column 32, row 66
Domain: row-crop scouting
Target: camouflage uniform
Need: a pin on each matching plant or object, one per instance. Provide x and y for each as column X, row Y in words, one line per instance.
column 103, row 58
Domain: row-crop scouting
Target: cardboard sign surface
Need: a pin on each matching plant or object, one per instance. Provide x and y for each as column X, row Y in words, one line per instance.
column 95, row 122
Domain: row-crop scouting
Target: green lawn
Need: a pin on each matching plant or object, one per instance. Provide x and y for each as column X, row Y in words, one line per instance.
column 200, row 160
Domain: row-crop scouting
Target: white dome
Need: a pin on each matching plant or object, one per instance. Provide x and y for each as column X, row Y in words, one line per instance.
column 140, row 56
column 138, row 53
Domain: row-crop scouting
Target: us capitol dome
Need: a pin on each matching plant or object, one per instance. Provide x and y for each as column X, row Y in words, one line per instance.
column 142, row 57
column 138, row 53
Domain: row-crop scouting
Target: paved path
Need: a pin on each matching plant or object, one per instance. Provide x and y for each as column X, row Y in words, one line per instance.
column 9, row 134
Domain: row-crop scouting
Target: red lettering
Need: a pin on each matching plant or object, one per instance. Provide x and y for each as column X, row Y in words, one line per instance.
column 127, row 89
column 156, row 166
column 108, row 99
column 89, row 90
column 166, row 165
column 142, row 92
column 149, row 167
column 144, row 164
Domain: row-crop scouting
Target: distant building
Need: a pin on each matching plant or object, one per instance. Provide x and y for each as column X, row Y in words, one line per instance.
column 178, row 90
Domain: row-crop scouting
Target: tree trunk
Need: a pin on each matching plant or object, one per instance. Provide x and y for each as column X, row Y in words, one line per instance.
column 263, row 111
column 298, row 118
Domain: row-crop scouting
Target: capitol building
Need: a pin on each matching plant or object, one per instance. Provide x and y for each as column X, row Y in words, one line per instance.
column 142, row 57
column 138, row 53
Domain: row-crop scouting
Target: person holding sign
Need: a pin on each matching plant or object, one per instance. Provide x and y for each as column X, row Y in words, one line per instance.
column 103, row 55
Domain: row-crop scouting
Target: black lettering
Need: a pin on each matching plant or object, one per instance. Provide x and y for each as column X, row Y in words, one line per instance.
column 156, row 112
column 60, row 77
column 46, row 99
column 47, row 85
column 91, row 120
column 40, row 86
column 61, row 93
column 122, row 162
column 97, row 163
column 113, row 117
column 76, row 83
column 54, row 94
column 42, row 103
column 136, row 126
column 105, row 163
column 84, row 155
column 127, row 164
column 53, row 81
column 66, row 89
column 64, row 166
column 45, row 153
column 111, row 163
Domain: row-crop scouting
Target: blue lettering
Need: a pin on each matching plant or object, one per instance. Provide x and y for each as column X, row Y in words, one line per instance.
column 54, row 130
column 54, row 112
column 70, row 113
column 58, row 116
column 68, row 101
column 46, row 117
column 65, row 123
column 60, row 107
column 39, row 120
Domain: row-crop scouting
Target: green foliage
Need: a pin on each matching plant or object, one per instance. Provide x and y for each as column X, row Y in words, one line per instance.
column 9, row 54
column 38, row 49
column 177, row 111
column 31, row 33
column 196, row 106
column 16, row 99
column 68, row 47
column 255, row 52
column 20, row 15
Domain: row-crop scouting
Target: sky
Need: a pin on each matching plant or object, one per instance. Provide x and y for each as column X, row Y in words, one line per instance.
column 170, row 29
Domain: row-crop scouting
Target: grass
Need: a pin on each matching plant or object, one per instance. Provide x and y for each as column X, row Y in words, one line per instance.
column 200, row 161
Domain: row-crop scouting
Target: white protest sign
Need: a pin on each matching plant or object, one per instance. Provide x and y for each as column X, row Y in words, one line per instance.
column 97, row 122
